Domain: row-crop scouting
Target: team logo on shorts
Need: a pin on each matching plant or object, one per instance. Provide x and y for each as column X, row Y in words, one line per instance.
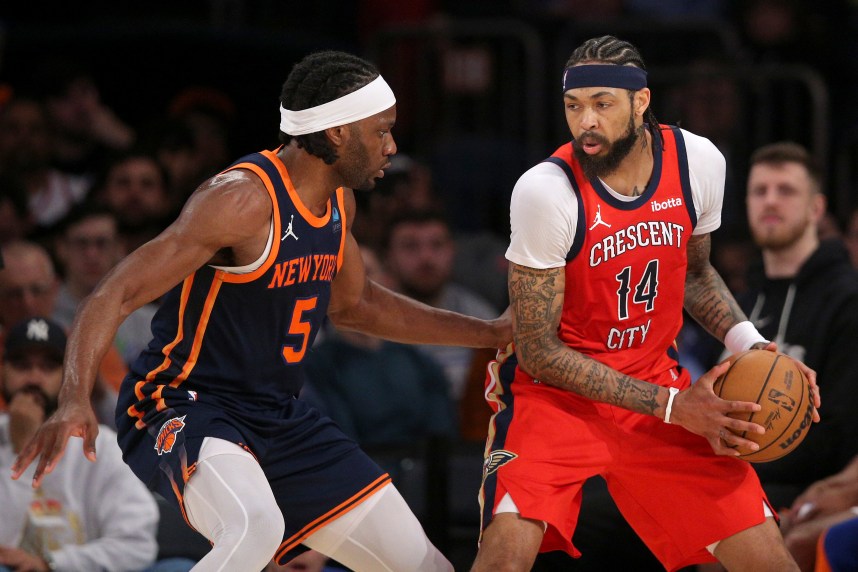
column 167, row 435
column 495, row 459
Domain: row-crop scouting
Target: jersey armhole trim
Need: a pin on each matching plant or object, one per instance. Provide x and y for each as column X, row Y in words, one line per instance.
column 684, row 175
column 274, row 231
column 578, row 241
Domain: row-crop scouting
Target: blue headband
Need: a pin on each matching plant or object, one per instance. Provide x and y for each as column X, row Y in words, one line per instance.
column 625, row 77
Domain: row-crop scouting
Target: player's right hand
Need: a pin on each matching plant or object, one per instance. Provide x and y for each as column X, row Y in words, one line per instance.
column 72, row 418
column 700, row 411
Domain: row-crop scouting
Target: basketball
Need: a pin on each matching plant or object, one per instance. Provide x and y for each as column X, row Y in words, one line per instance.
column 774, row 381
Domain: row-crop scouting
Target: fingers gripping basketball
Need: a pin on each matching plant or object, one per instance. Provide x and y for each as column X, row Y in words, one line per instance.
column 775, row 382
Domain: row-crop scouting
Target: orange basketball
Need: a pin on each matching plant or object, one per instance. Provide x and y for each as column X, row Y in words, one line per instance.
column 775, row 382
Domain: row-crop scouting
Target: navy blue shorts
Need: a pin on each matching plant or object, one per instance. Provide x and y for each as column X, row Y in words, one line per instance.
column 316, row 472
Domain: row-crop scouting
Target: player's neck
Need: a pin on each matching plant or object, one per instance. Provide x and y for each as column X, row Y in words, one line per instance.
column 313, row 179
column 632, row 176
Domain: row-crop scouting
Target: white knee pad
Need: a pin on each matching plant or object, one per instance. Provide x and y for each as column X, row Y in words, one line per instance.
column 229, row 501
column 380, row 534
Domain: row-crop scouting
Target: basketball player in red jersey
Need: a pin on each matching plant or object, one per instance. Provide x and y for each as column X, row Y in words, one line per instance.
column 610, row 239
column 209, row 415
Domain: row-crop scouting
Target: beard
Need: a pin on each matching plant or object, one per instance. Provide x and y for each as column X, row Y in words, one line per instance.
column 779, row 238
column 595, row 166
column 354, row 168
column 49, row 403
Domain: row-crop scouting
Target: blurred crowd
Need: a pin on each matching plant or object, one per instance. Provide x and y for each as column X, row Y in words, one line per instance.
column 82, row 185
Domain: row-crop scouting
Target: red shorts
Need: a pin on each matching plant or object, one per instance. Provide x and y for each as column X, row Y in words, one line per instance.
column 677, row 495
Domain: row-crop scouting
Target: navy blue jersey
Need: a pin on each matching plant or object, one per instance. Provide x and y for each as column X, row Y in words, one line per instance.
column 225, row 362
column 242, row 337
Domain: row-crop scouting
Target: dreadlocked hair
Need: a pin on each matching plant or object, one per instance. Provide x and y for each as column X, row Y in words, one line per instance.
column 611, row 50
column 319, row 78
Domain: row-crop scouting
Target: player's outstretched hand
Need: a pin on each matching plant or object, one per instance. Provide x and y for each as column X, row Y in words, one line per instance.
column 72, row 418
column 808, row 373
column 702, row 412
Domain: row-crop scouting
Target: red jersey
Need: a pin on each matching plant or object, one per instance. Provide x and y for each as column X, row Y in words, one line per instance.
column 625, row 272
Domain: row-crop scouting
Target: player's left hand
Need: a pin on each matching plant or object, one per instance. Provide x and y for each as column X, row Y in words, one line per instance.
column 808, row 373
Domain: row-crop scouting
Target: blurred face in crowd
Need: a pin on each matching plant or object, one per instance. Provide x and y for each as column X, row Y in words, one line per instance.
column 135, row 189
column 28, row 284
column 87, row 250
column 36, row 371
column 73, row 111
column 24, row 136
column 420, row 257
column 783, row 204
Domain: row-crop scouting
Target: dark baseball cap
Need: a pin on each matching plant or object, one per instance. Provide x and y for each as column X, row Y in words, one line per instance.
column 36, row 333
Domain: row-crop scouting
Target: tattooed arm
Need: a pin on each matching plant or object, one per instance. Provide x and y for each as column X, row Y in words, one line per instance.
column 707, row 298
column 709, row 301
column 536, row 298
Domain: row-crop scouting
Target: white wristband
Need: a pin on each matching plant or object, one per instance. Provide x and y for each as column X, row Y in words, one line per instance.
column 673, row 391
column 741, row 337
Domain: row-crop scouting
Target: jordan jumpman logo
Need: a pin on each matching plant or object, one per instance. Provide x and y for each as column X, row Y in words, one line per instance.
column 289, row 231
column 597, row 220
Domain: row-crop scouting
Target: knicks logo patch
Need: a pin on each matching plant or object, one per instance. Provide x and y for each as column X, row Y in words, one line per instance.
column 495, row 459
column 167, row 435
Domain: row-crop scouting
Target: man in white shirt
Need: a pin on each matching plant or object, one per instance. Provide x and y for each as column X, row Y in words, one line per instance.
column 84, row 516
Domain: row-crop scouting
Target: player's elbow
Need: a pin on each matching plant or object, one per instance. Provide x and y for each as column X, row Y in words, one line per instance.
column 348, row 313
column 532, row 355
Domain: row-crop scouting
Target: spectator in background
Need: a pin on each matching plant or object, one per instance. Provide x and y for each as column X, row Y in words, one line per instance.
column 135, row 188
column 88, row 246
column 209, row 114
column 28, row 283
column 827, row 503
column 419, row 253
column 26, row 146
column 29, row 287
column 193, row 142
column 173, row 145
column 379, row 392
column 85, row 515
column 15, row 220
column 804, row 298
column 406, row 186
column 86, row 131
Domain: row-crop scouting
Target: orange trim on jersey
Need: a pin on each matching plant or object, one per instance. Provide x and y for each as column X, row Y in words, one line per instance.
column 275, row 218
column 180, row 331
column 331, row 515
column 187, row 471
column 344, row 229
column 201, row 329
column 132, row 411
column 311, row 219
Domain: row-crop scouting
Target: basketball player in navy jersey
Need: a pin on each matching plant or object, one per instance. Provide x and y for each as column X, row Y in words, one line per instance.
column 209, row 416
column 610, row 239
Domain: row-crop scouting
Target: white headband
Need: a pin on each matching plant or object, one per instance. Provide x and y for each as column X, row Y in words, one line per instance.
column 372, row 98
